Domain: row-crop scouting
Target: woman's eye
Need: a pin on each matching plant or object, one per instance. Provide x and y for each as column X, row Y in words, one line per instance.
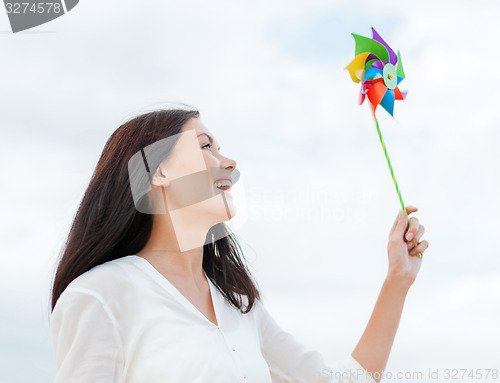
column 209, row 145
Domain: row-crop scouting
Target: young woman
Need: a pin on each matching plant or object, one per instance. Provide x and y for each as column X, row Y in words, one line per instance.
column 153, row 287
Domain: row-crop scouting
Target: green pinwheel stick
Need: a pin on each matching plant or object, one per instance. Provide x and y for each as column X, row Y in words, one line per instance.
column 379, row 70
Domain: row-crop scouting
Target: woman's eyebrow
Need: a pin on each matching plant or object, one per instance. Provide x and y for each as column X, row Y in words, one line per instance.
column 209, row 138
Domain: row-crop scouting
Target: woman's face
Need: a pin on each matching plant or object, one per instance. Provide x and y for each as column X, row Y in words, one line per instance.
column 193, row 174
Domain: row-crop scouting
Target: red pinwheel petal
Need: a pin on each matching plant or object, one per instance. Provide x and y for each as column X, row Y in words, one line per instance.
column 367, row 84
column 397, row 94
column 376, row 93
column 361, row 98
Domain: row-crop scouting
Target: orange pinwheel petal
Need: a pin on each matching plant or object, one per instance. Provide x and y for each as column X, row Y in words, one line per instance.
column 397, row 94
column 376, row 93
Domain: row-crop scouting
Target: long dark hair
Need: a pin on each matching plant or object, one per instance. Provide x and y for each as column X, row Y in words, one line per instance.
column 108, row 226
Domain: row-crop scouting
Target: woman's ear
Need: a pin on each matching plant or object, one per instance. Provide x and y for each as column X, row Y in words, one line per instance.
column 160, row 178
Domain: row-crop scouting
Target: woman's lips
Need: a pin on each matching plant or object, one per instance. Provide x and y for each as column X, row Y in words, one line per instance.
column 224, row 190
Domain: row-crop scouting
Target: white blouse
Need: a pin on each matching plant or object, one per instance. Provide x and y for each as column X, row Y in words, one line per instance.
column 123, row 321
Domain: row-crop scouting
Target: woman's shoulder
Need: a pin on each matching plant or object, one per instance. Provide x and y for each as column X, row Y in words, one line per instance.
column 108, row 278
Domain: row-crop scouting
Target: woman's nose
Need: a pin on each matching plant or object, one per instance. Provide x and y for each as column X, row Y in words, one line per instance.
column 228, row 163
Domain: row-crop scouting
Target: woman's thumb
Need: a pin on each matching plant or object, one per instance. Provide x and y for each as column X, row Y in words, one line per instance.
column 400, row 224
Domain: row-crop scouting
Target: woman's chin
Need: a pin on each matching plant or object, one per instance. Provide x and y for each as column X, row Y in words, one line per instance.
column 227, row 213
column 230, row 211
column 220, row 209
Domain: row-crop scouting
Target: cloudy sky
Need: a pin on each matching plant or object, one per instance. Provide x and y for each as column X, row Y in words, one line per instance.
column 269, row 80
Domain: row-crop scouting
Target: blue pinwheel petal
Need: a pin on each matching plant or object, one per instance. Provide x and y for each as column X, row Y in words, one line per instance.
column 400, row 79
column 388, row 101
column 371, row 72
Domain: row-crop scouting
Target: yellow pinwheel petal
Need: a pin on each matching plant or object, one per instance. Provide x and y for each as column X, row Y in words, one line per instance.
column 357, row 66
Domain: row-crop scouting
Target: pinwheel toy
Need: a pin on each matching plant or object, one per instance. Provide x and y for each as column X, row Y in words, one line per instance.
column 379, row 70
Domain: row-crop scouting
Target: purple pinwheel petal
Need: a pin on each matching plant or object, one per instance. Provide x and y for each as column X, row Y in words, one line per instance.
column 379, row 64
column 393, row 58
column 404, row 94
column 371, row 56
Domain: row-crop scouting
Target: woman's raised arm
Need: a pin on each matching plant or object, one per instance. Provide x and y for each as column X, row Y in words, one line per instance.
column 373, row 349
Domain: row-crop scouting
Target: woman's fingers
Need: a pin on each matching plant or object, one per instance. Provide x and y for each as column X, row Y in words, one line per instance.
column 420, row 248
column 416, row 237
column 412, row 231
column 410, row 209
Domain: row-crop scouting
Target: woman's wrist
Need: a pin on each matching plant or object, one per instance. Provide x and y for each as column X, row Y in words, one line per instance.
column 399, row 282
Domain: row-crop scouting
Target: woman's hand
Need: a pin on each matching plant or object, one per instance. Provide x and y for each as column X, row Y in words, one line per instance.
column 403, row 247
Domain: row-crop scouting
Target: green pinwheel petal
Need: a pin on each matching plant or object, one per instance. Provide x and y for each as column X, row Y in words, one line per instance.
column 369, row 64
column 399, row 71
column 364, row 44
